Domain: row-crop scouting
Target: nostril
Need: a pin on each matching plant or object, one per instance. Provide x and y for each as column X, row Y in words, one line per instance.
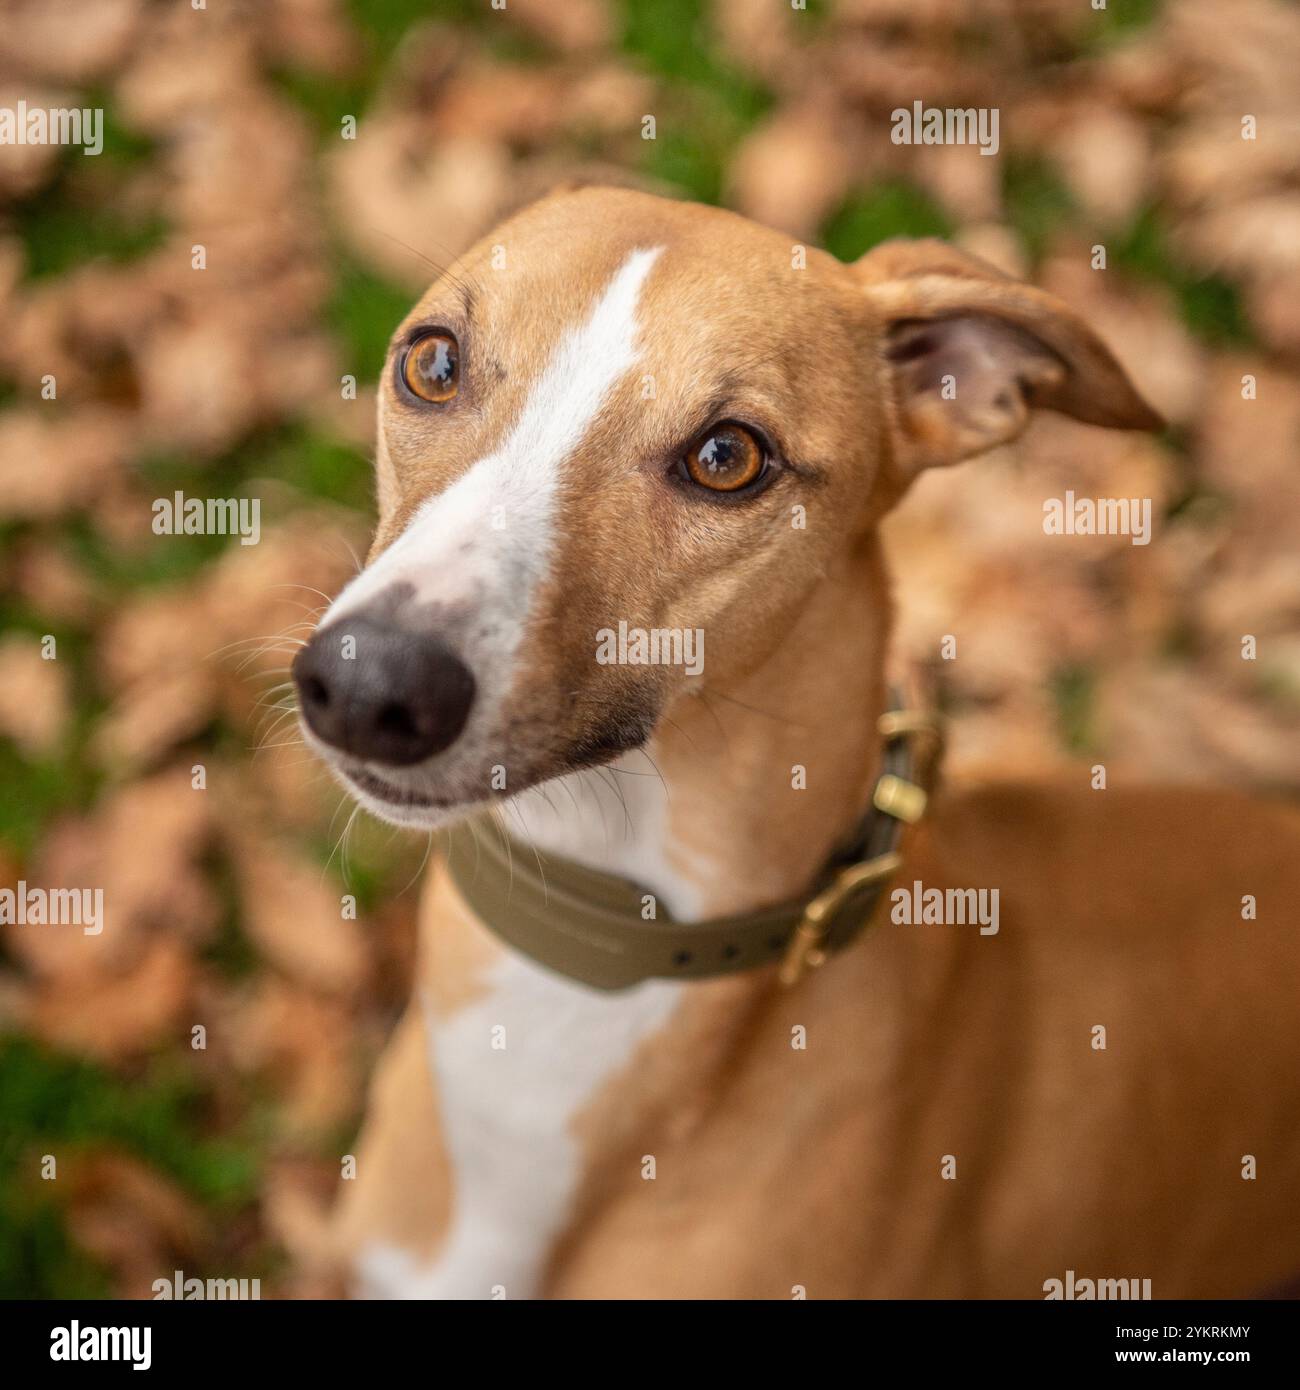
column 397, row 719
column 404, row 698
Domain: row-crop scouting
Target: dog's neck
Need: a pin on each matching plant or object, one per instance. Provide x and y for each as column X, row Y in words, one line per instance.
column 747, row 786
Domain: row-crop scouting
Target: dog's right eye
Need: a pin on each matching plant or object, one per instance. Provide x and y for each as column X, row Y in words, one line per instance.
column 727, row 459
column 431, row 368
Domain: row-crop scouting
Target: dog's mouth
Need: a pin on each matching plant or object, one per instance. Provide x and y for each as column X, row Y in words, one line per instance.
column 389, row 792
column 393, row 798
column 588, row 752
column 619, row 736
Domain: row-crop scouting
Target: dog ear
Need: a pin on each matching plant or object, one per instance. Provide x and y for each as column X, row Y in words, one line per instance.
column 970, row 352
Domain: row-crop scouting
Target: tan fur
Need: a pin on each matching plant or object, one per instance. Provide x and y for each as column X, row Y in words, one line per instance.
column 821, row 1168
column 779, row 1167
column 402, row 1193
column 400, row 1144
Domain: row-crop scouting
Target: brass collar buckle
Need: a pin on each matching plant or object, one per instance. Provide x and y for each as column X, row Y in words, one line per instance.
column 807, row 948
column 893, row 796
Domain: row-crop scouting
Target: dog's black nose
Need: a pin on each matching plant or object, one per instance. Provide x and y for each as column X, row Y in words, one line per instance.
column 382, row 693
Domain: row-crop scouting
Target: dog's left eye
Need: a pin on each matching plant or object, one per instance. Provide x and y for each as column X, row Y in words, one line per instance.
column 431, row 367
column 727, row 458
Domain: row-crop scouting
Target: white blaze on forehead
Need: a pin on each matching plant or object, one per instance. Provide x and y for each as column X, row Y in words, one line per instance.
column 488, row 536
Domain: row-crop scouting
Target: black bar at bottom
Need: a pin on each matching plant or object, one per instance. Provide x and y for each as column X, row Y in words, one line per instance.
column 90, row 1339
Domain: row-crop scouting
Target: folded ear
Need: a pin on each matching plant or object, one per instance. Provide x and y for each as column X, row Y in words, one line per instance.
column 969, row 353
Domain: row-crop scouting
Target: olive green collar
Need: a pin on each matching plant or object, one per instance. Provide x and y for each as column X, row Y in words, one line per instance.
column 608, row 932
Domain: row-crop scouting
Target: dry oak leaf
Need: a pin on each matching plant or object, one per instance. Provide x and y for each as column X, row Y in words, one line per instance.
column 305, row 1044
column 52, row 466
column 576, row 26
column 791, row 171
column 123, row 1015
column 401, row 198
column 142, row 848
column 33, row 695
column 293, row 911
column 67, row 40
column 130, row 1216
column 48, row 578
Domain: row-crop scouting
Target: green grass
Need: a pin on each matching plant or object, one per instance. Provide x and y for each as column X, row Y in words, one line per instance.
column 56, row 1104
column 1039, row 205
column 49, row 1098
column 321, row 467
column 37, row 790
column 58, row 235
column 230, row 952
column 1209, row 305
column 123, row 148
column 37, row 1257
column 1121, row 19
column 707, row 106
column 383, row 24
column 166, row 560
column 72, row 220
column 1074, row 692
column 315, row 464
column 1278, row 686
column 372, row 871
column 873, row 215
column 363, row 310
column 1037, row 201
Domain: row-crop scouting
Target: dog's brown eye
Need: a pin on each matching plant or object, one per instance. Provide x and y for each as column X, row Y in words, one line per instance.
column 726, row 459
column 431, row 367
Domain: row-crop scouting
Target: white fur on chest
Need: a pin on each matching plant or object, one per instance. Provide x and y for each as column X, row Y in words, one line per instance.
column 516, row 1068
column 514, row 1072
column 614, row 819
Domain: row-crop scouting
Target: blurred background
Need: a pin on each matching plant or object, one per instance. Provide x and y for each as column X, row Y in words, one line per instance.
column 225, row 127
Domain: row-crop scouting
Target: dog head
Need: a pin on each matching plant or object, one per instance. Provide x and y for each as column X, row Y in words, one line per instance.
column 617, row 449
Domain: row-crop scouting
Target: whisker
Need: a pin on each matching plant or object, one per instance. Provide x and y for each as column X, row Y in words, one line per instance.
column 428, row 849
column 441, row 270
column 754, row 709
